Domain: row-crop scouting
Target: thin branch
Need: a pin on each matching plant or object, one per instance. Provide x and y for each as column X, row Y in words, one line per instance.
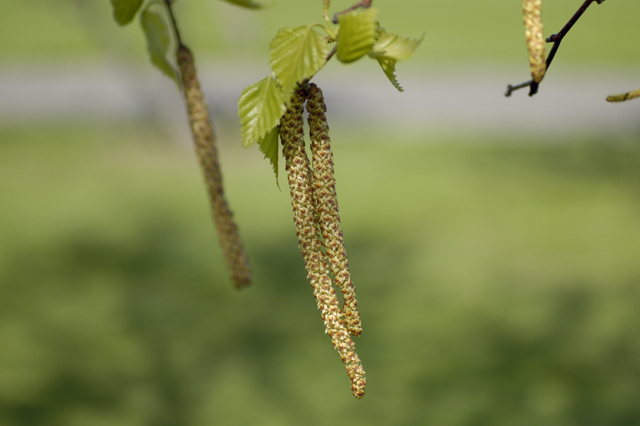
column 333, row 52
column 624, row 96
column 555, row 39
column 173, row 21
column 363, row 4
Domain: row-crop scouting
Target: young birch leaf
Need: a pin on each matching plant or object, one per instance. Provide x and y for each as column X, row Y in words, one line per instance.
column 269, row 146
column 394, row 47
column 260, row 107
column 296, row 54
column 125, row 10
column 391, row 48
column 246, row 3
column 388, row 65
column 158, row 40
column 357, row 34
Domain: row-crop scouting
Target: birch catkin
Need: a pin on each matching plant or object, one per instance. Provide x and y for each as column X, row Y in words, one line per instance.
column 326, row 201
column 535, row 39
column 624, row 96
column 204, row 141
column 304, row 217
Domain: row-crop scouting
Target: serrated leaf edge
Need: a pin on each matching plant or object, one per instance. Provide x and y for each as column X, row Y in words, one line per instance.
column 275, row 57
column 269, row 153
column 388, row 66
column 387, row 39
column 248, row 113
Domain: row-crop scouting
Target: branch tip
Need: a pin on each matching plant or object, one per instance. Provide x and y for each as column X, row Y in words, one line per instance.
column 555, row 39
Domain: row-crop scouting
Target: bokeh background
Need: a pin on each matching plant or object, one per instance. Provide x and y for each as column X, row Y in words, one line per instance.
column 494, row 242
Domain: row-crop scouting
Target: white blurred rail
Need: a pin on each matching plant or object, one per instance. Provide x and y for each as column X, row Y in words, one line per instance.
column 441, row 99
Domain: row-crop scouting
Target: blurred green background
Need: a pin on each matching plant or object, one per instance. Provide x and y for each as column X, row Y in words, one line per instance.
column 497, row 269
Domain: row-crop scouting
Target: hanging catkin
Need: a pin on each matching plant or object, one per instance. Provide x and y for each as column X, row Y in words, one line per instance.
column 624, row 96
column 535, row 39
column 326, row 202
column 305, row 220
column 204, row 141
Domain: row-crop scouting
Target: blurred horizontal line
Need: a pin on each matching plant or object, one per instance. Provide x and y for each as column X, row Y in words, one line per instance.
column 444, row 99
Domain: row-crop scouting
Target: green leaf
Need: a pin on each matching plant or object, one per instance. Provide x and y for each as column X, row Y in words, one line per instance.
column 260, row 108
column 389, row 49
column 269, row 146
column 296, row 54
column 392, row 46
column 245, row 3
column 158, row 40
column 389, row 67
column 356, row 34
column 125, row 10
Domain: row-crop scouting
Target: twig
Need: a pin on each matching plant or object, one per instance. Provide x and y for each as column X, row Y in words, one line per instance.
column 624, row 96
column 173, row 22
column 333, row 52
column 555, row 39
column 363, row 4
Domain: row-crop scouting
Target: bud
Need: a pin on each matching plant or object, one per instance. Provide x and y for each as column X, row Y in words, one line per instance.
column 205, row 145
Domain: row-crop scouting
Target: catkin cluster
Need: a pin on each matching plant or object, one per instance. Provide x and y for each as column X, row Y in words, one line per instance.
column 315, row 215
column 326, row 201
column 204, row 141
column 535, row 39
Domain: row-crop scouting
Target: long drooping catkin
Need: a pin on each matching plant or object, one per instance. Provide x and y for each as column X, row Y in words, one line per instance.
column 535, row 39
column 204, row 141
column 304, row 217
column 326, row 201
column 624, row 96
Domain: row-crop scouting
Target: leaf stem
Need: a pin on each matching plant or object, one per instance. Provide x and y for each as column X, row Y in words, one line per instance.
column 325, row 7
column 555, row 39
column 326, row 28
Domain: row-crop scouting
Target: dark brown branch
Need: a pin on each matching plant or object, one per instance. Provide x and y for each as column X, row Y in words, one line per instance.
column 363, row 4
column 555, row 39
column 174, row 23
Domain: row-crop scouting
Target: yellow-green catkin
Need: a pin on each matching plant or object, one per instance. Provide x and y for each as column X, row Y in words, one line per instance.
column 326, row 201
column 205, row 145
column 305, row 220
column 624, row 96
column 535, row 39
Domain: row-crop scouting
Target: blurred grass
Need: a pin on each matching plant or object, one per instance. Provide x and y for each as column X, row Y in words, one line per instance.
column 498, row 284
column 455, row 30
